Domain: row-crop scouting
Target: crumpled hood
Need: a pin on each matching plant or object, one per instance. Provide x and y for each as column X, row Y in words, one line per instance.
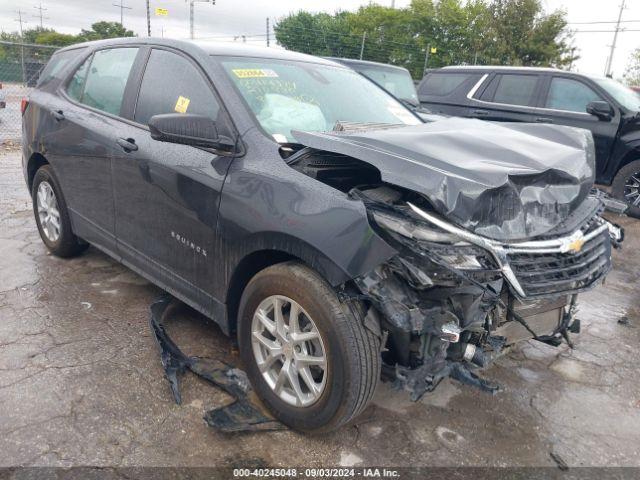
column 505, row 181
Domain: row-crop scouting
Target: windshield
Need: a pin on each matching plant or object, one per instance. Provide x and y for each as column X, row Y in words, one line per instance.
column 398, row 82
column 286, row 96
column 623, row 95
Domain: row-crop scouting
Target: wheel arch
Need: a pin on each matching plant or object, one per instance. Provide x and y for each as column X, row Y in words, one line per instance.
column 245, row 270
column 269, row 251
column 631, row 156
column 36, row 160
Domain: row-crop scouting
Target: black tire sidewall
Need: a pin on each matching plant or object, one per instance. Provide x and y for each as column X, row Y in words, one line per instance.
column 327, row 407
column 67, row 243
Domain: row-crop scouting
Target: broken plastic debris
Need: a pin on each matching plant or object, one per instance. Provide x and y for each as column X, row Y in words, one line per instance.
column 243, row 414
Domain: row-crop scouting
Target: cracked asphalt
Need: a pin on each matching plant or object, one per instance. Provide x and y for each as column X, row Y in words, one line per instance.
column 81, row 381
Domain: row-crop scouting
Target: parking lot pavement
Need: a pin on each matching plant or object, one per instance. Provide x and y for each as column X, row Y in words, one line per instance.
column 81, row 381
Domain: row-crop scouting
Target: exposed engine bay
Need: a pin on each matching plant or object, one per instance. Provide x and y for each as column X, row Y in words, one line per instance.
column 451, row 300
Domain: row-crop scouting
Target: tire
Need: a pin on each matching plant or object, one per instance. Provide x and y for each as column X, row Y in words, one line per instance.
column 352, row 352
column 63, row 242
column 620, row 181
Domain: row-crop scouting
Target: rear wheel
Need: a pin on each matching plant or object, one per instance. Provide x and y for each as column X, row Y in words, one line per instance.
column 52, row 217
column 309, row 357
column 626, row 186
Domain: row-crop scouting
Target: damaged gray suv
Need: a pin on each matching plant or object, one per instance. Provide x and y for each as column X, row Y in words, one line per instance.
column 316, row 219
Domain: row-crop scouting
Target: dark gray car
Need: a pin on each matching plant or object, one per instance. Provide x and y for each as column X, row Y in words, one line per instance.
column 313, row 216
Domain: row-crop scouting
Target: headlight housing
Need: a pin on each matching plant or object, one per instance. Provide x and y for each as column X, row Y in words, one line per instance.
column 411, row 230
column 446, row 246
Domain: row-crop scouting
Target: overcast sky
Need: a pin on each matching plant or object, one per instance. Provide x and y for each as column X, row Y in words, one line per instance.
column 229, row 18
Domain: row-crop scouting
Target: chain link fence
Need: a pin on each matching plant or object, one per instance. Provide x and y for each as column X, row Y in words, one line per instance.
column 20, row 67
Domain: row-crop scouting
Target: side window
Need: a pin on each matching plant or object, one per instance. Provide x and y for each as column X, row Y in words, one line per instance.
column 567, row 94
column 440, row 84
column 76, row 85
column 56, row 66
column 107, row 78
column 172, row 84
column 511, row 89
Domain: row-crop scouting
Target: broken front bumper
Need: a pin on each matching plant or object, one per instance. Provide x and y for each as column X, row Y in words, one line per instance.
column 544, row 268
column 445, row 320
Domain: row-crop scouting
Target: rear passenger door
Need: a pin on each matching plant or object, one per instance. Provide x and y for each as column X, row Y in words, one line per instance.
column 445, row 91
column 87, row 121
column 564, row 102
column 507, row 97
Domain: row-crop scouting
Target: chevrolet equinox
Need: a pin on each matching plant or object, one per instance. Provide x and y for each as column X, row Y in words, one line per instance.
column 315, row 218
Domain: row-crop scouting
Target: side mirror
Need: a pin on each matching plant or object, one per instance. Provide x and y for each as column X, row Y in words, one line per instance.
column 188, row 129
column 600, row 109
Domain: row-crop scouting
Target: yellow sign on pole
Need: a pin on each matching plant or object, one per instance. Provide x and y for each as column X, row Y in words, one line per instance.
column 162, row 12
column 434, row 50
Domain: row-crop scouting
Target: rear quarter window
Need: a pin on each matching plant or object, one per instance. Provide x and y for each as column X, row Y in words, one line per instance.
column 441, row 84
column 56, row 67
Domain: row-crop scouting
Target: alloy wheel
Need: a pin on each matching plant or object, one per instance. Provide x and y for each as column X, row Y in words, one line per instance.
column 48, row 211
column 632, row 190
column 289, row 351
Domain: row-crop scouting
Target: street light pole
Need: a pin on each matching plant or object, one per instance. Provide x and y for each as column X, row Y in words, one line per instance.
column 148, row 19
column 192, row 32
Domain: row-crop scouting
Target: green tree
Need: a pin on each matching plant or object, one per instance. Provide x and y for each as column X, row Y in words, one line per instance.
column 504, row 32
column 524, row 35
column 56, row 38
column 101, row 30
column 317, row 34
column 632, row 73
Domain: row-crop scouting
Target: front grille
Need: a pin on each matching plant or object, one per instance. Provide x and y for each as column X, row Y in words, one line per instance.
column 543, row 272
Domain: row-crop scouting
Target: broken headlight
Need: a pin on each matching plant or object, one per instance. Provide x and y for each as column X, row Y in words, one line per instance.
column 446, row 246
column 413, row 230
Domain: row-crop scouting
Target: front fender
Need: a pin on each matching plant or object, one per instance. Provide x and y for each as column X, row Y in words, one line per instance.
column 626, row 150
column 270, row 206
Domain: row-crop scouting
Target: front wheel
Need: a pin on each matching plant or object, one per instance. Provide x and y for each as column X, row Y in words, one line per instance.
column 309, row 357
column 626, row 187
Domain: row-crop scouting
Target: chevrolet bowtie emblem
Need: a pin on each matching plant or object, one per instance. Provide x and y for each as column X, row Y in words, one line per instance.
column 575, row 245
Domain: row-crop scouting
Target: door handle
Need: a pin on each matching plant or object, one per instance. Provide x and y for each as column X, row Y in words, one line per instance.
column 58, row 115
column 127, row 144
column 543, row 120
column 480, row 113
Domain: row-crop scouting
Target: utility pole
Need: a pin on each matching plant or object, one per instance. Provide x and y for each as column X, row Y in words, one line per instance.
column 426, row 60
column 148, row 20
column 607, row 70
column 39, row 14
column 364, row 38
column 122, row 8
column 21, row 21
column 393, row 3
column 192, row 32
column 268, row 39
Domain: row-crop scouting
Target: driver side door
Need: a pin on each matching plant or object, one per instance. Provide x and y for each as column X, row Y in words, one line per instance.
column 565, row 103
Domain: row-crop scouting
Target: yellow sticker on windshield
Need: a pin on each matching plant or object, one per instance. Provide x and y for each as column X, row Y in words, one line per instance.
column 182, row 104
column 254, row 73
